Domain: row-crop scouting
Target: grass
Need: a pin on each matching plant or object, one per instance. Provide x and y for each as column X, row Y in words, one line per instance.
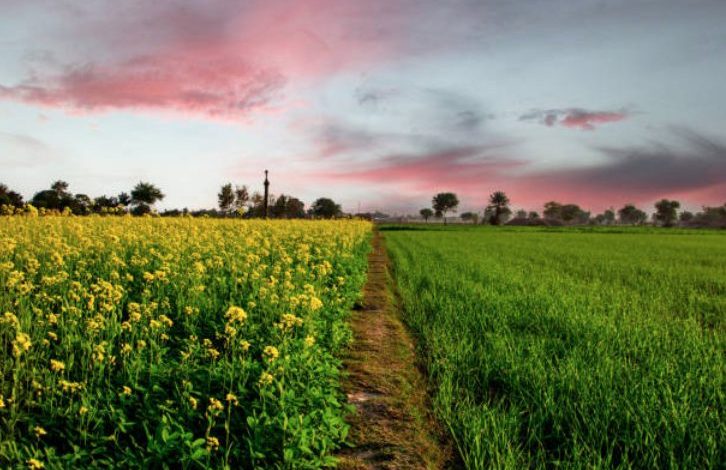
column 192, row 343
column 573, row 348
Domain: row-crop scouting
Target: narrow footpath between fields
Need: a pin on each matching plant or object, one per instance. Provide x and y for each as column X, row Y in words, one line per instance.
column 392, row 427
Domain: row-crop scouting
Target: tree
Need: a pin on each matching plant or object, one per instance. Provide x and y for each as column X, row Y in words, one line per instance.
column 567, row 213
column 426, row 214
column 521, row 214
column 225, row 198
column 81, row 204
column 288, row 207
column 124, row 199
column 325, row 208
column 499, row 208
column 609, row 217
column 295, row 208
column 572, row 214
column 467, row 216
column 552, row 210
column 56, row 198
column 104, row 203
column 631, row 215
column 533, row 215
column 443, row 203
column 10, row 198
column 143, row 196
column 666, row 212
column 686, row 216
column 60, row 187
column 241, row 197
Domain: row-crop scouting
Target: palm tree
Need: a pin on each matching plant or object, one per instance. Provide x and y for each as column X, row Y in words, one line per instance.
column 143, row 196
column 499, row 207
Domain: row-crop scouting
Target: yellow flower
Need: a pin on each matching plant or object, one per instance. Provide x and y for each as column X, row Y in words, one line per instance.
column 232, row 398
column 57, row 366
column 82, row 410
column 245, row 345
column 126, row 390
column 289, row 321
column 193, row 402
column 148, row 277
column 126, row 349
column 315, row 303
column 235, row 314
column 10, row 319
column 52, row 336
column 35, row 464
column 215, row 405
column 2, row 402
column 39, row 432
column 309, row 340
column 21, row 344
column 265, row 379
column 72, row 387
column 212, row 443
column 230, row 331
column 271, row 353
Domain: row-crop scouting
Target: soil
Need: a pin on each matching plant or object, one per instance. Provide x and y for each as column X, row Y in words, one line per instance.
column 392, row 427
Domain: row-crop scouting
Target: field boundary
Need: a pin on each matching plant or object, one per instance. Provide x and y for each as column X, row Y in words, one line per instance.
column 393, row 425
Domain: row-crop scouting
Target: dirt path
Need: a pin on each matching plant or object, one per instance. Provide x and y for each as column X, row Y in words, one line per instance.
column 392, row 428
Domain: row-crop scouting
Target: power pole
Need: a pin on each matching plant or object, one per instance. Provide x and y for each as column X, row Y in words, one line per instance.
column 267, row 197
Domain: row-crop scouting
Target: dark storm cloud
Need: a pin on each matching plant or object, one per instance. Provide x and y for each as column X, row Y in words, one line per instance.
column 642, row 172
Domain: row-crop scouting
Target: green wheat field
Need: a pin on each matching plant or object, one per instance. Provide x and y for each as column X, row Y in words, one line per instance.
column 572, row 348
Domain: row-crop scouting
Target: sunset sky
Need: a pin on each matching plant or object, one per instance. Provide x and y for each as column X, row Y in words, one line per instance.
column 380, row 103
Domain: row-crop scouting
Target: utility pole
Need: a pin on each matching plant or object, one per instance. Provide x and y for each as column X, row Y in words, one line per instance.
column 265, row 204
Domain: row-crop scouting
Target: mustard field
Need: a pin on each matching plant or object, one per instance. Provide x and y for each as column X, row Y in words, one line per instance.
column 138, row 342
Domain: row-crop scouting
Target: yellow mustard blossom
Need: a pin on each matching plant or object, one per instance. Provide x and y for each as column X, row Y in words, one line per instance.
column 265, row 379
column 232, row 398
column 309, row 340
column 236, row 314
column 35, row 464
column 288, row 321
column 10, row 319
column 21, row 344
column 212, row 443
column 2, row 402
column 72, row 387
column 214, row 405
column 315, row 304
column 57, row 366
column 39, row 431
column 126, row 390
column 245, row 345
column 193, row 402
column 271, row 353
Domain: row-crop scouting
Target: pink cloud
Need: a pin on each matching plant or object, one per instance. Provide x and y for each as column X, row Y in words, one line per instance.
column 222, row 60
column 587, row 120
column 215, row 89
column 466, row 169
column 574, row 118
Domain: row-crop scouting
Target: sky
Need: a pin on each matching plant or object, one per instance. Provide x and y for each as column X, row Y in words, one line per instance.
column 378, row 104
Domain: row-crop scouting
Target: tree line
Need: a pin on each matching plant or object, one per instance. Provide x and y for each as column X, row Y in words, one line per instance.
column 498, row 212
column 232, row 202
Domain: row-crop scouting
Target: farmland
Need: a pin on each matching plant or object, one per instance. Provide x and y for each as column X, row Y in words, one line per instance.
column 133, row 342
column 583, row 349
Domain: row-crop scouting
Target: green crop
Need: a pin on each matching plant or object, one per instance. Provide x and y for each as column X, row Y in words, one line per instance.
column 580, row 349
